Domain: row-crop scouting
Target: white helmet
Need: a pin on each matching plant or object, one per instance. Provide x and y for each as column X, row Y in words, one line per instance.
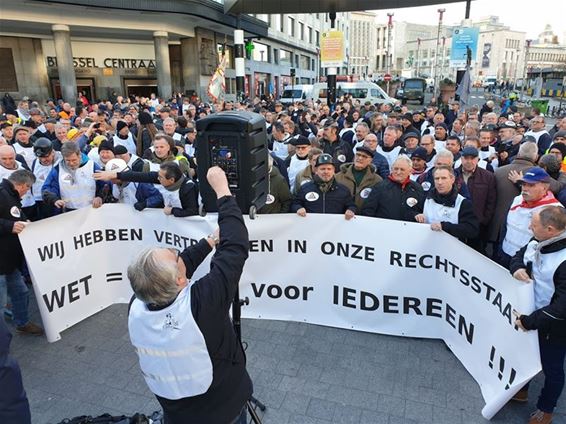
column 116, row 165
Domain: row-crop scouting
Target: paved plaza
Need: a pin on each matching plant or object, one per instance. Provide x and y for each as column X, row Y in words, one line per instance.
column 303, row 373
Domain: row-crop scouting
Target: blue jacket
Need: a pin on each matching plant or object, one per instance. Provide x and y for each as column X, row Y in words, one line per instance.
column 148, row 194
column 381, row 165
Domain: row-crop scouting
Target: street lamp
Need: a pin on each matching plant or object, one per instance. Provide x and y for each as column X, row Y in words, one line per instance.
column 436, row 82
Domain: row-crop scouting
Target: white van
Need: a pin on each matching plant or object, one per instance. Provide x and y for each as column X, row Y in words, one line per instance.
column 295, row 93
column 363, row 91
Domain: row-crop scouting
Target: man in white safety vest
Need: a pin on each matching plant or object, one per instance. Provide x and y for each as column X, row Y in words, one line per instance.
column 188, row 351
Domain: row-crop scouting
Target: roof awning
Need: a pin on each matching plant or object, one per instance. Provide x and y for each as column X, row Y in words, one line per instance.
column 314, row 6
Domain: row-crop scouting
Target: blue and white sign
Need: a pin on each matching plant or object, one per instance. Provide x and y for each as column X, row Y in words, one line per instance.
column 462, row 40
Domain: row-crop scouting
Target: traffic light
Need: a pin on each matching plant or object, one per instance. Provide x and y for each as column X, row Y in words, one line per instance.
column 293, row 72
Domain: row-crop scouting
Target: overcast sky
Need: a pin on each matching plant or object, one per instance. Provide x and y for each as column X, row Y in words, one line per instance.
column 523, row 15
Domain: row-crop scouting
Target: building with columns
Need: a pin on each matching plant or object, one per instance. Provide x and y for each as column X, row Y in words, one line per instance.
column 55, row 49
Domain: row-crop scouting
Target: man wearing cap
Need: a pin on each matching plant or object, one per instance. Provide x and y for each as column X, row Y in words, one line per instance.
column 410, row 142
column 299, row 160
column 70, row 184
column 407, row 123
column 447, row 210
column 483, row 193
column 46, row 159
column 333, row 145
column 139, row 195
column 164, row 113
column 183, row 328
column 541, row 135
column 418, row 160
column 23, row 144
column 7, row 130
column 324, row 194
column 124, row 137
column 542, row 262
column 535, row 195
column 134, row 162
column 397, row 196
column 508, row 190
column 506, row 133
column 359, row 177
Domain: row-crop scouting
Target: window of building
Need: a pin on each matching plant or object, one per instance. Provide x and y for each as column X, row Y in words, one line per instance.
column 228, row 51
column 285, row 57
column 310, row 35
column 291, row 26
column 260, row 52
column 276, row 56
column 263, row 17
column 301, row 31
column 297, row 62
column 317, row 34
column 282, row 23
column 305, row 62
column 8, row 79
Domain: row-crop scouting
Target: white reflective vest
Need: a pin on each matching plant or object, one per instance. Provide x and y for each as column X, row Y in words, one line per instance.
column 296, row 166
column 41, row 172
column 390, row 156
column 171, row 348
column 125, row 193
column 28, row 199
column 128, row 143
column 435, row 212
column 518, row 220
column 133, row 159
column 77, row 188
column 536, row 135
column 26, row 152
column 544, row 266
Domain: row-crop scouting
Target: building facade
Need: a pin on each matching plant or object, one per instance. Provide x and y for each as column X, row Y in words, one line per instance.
column 363, row 44
column 55, row 49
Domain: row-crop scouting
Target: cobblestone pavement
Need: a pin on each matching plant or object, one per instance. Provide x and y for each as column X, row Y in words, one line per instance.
column 303, row 373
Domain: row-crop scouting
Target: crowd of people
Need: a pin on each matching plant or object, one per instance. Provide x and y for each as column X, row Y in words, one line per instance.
column 478, row 174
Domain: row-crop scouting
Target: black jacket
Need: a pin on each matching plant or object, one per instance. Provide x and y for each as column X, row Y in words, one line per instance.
column 336, row 200
column 340, row 151
column 11, row 254
column 211, row 298
column 14, row 405
column 550, row 321
column 391, row 200
column 188, row 191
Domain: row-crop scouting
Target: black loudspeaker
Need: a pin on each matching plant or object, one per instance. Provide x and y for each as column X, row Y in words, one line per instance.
column 237, row 143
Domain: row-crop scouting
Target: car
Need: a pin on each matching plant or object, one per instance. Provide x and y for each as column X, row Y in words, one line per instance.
column 364, row 91
column 296, row 93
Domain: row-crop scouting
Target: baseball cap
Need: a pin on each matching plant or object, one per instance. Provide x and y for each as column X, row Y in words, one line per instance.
column 561, row 134
column 535, row 175
column 120, row 150
column 299, row 140
column 411, row 135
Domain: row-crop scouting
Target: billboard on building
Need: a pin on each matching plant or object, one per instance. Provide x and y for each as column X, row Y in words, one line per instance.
column 462, row 40
column 485, row 60
column 332, row 49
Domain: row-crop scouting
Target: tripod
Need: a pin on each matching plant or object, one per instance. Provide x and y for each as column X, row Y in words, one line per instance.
column 252, row 404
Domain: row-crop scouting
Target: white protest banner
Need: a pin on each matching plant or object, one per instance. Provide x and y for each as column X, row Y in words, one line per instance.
column 367, row 274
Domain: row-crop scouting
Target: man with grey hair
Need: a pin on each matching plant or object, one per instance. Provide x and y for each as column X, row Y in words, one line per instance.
column 396, row 197
column 189, row 354
column 12, row 222
column 70, row 184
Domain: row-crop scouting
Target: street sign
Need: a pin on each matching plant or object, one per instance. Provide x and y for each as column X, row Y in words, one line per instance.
column 387, row 77
column 462, row 39
column 332, row 49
